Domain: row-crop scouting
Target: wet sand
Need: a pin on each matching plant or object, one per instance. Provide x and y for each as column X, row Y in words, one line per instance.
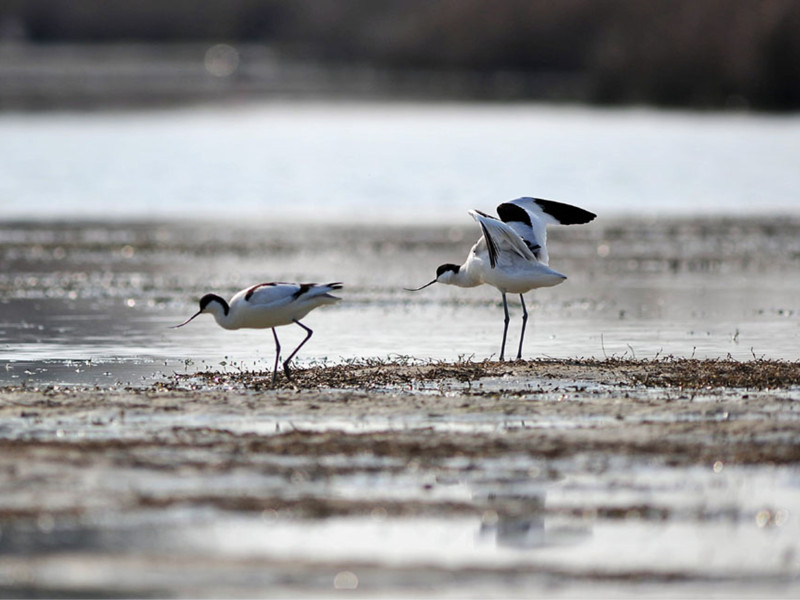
column 674, row 477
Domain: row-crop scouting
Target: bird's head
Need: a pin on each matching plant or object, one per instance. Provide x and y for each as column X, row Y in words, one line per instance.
column 210, row 303
column 444, row 274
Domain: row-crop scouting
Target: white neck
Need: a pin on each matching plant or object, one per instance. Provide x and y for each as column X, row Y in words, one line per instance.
column 218, row 311
column 465, row 277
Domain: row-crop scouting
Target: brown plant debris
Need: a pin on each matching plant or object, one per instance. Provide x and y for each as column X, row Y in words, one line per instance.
column 669, row 372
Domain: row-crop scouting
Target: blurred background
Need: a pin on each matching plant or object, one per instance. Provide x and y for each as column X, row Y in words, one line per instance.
column 387, row 109
column 722, row 54
column 155, row 151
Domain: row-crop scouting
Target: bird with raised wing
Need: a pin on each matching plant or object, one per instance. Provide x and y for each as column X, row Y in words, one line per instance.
column 267, row 306
column 511, row 254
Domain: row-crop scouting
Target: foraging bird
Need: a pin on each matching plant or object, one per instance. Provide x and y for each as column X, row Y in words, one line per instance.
column 511, row 255
column 269, row 305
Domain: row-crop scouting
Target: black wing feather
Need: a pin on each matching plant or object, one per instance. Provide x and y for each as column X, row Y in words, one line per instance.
column 252, row 290
column 490, row 246
column 566, row 214
column 511, row 213
column 304, row 287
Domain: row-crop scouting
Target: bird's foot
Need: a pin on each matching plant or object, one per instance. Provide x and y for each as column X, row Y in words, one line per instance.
column 286, row 371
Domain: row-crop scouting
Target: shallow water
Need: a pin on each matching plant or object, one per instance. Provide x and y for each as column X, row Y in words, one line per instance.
column 159, row 495
column 247, row 495
column 113, row 224
column 89, row 303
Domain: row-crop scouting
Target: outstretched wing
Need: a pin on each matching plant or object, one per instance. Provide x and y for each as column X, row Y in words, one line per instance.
column 529, row 218
column 500, row 238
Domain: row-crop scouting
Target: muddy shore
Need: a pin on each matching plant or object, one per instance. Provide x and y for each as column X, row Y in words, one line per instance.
column 151, row 481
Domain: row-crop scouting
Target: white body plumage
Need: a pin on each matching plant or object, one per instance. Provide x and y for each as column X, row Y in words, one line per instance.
column 500, row 258
column 511, row 255
column 267, row 306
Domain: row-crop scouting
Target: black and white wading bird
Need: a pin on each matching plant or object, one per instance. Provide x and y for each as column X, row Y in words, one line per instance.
column 269, row 305
column 511, row 255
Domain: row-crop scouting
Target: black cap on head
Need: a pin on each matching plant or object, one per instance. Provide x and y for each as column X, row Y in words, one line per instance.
column 447, row 267
column 204, row 302
column 209, row 298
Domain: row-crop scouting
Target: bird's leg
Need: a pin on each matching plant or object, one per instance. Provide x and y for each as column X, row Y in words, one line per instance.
column 277, row 355
column 505, row 327
column 291, row 356
column 524, row 322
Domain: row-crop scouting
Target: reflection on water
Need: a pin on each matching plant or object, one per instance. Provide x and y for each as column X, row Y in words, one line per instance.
column 158, row 495
column 142, row 493
column 91, row 299
column 527, row 525
column 83, row 303
column 628, row 522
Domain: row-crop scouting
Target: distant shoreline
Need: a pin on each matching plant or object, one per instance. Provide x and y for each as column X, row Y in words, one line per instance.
column 113, row 76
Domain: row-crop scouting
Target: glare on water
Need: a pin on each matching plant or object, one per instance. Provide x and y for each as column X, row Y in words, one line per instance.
column 115, row 224
column 408, row 162
column 81, row 305
column 315, row 192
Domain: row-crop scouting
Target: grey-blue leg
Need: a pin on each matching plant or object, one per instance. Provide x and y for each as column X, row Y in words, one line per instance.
column 277, row 355
column 505, row 327
column 524, row 323
column 291, row 356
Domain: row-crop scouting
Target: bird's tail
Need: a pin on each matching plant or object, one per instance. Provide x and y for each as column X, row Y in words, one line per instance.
column 329, row 287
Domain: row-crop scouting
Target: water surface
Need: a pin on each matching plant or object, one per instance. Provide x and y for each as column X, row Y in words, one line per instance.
column 115, row 223
column 416, row 163
column 96, row 303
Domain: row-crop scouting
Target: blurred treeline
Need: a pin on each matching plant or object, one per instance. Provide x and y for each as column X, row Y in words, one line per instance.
column 707, row 53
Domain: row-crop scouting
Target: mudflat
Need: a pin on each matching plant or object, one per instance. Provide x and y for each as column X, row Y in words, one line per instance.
column 400, row 478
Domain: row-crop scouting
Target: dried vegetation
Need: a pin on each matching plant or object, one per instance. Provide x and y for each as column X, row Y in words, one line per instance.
column 663, row 372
